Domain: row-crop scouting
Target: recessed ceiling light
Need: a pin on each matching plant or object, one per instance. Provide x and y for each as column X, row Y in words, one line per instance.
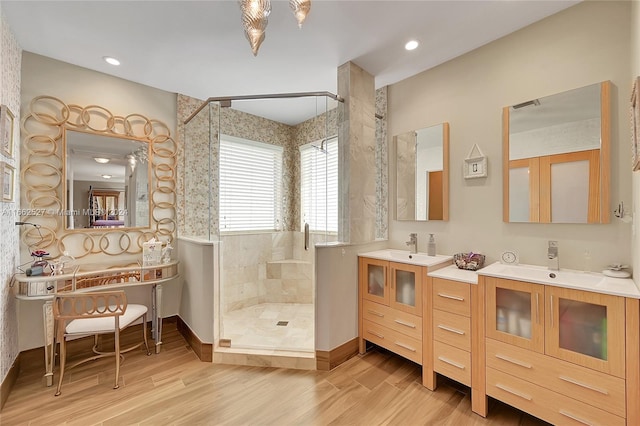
column 101, row 160
column 110, row 60
column 106, row 176
column 412, row 44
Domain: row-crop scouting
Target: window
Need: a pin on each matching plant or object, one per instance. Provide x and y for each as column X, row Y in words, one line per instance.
column 319, row 187
column 250, row 185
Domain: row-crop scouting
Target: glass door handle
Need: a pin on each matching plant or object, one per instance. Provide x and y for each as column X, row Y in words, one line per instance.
column 306, row 236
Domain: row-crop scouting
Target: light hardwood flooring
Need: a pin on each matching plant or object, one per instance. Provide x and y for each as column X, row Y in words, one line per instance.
column 174, row 387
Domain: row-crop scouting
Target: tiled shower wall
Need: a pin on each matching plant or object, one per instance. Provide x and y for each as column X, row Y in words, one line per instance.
column 261, row 267
column 10, row 60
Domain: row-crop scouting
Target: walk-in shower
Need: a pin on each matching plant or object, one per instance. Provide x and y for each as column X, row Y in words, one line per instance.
column 259, row 172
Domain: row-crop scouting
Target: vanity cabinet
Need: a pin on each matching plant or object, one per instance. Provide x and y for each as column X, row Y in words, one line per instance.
column 391, row 306
column 451, row 327
column 515, row 313
column 564, row 355
column 586, row 329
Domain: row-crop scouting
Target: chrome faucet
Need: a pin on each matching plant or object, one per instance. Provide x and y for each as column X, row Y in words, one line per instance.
column 413, row 242
column 552, row 255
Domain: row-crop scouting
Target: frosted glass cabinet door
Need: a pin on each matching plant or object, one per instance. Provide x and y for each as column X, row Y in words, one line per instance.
column 519, row 195
column 406, row 288
column 586, row 328
column 570, row 192
column 374, row 280
column 515, row 313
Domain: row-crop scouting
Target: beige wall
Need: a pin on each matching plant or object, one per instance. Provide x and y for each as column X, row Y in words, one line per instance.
column 584, row 44
column 76, row 85
column 634, row 53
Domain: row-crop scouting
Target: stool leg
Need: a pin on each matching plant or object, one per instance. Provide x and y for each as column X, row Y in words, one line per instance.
column 117, row 350
column 144, row 333
column 63, row 359
column 95, row 344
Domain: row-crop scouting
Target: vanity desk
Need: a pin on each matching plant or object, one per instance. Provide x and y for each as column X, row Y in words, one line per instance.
column 95, row 277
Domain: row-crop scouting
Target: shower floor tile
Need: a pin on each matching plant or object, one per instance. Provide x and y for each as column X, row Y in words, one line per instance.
column 256, row 327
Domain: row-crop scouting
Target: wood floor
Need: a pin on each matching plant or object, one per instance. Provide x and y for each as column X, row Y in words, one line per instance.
column 174, row 387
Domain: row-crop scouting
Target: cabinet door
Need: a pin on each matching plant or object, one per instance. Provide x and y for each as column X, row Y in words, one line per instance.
column 586, row 328
column 406, row 288
column 515, row 313
column 374, row 280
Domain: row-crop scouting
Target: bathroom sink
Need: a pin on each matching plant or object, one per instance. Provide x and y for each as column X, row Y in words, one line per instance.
column 542, row 275
column 588, row 281
column 405, row 256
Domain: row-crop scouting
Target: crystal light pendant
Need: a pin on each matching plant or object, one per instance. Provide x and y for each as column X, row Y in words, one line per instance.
column 254, row 21
column 300, row 9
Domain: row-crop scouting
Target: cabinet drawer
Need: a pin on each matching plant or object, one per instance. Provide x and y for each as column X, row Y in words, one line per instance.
column 399, row 343
column 544, row 403
column 452, row 362
column 586, row 385
column 452, row 329
column 452, row 296
column 402, row 322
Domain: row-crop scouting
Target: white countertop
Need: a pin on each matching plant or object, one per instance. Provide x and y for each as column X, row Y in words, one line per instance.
column 404, row 256
column 452, row 272
column 567, row 278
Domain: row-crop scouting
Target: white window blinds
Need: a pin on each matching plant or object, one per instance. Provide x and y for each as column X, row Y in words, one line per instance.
column 250, row 185
column 319, row 185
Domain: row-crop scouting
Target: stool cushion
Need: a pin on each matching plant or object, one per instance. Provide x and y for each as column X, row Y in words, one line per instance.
column 105, row 324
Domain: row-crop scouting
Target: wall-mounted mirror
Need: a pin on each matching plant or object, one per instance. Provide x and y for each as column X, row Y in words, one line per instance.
column 556, row 157
column 422, row 174
column 107, row 181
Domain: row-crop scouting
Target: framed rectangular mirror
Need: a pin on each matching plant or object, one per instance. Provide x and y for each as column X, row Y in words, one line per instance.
column 106, row 181
column 556, row 160
column 422, row 174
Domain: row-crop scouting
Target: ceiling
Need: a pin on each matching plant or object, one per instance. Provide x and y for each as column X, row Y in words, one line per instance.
column 198, row 48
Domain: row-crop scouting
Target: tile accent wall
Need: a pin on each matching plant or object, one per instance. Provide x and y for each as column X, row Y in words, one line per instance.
column 10, row 62
column 382, row 167
column 193, row 177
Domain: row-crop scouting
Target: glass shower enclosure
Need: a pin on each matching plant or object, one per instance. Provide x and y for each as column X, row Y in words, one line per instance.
column 261, row 178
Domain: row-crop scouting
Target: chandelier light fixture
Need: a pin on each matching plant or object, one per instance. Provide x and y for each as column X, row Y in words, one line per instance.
column 300, row 9
column 255, row 14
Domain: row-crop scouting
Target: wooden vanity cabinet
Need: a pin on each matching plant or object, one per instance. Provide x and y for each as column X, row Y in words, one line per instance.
column 566, row 356
column 390, row 306
column 451, row 331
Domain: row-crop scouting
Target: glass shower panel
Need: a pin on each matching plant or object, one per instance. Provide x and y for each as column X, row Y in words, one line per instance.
column 267, row 276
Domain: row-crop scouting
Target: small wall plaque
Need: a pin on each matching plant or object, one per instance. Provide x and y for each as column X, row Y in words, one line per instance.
column 475, row 165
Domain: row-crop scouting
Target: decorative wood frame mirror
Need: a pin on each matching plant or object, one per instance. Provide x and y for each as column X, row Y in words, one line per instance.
column 44, row 130
column 556, row 157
